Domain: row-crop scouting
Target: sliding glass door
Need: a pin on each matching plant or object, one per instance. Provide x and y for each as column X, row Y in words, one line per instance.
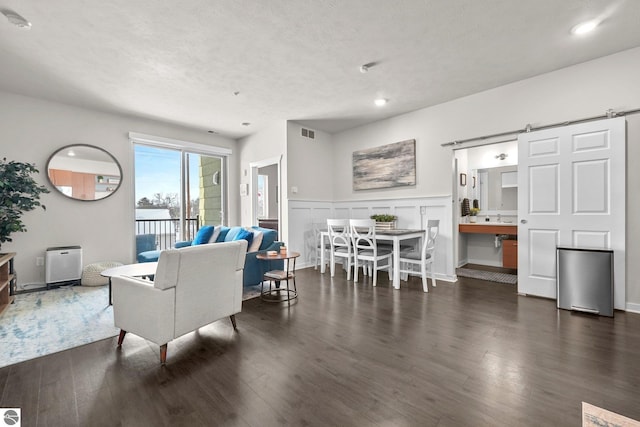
column 176, row 192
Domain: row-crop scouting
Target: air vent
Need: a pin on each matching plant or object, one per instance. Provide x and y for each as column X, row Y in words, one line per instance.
column 308, row 133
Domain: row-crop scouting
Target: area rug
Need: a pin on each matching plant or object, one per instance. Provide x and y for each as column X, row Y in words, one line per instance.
column 593, row 416
column 490, row 276
column 45, row 322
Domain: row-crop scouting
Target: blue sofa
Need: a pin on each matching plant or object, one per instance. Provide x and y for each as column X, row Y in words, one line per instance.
column 254, row 268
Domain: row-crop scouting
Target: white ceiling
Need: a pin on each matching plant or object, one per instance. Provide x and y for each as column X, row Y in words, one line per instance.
column 181, row 62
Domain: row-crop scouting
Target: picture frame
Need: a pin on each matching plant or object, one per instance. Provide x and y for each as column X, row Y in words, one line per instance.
column 463, row 179
column 386, row 166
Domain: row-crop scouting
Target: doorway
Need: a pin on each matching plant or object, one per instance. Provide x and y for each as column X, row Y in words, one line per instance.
column 486, row 185
column 265, row 193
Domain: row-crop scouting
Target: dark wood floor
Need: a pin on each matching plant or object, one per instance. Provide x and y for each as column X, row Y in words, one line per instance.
column 470, row 353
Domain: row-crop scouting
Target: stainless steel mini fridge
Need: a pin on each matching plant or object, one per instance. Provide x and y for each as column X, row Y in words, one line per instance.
column 585, row 280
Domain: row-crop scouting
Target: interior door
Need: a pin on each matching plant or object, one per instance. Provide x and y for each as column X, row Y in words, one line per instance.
column 571, row 193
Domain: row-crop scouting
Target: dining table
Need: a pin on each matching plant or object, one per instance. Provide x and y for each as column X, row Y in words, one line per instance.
column 392, row 235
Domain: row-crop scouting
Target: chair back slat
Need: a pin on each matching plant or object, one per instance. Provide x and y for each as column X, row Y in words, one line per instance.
column 429, row 244
column 339, row 233
column 363, row 234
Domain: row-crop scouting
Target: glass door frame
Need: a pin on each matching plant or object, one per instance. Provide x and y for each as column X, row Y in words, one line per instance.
column 185, row 148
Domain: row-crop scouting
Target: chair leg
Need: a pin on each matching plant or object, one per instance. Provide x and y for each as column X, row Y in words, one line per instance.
column 333, row 265
column 163, row 354
column 433, row 276
column 233, row 321
column 423, row 269
column 121, row 337
column 355, row 271
column 374, row 273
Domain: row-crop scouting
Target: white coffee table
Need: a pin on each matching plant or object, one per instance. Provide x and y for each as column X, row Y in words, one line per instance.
column 142, row 269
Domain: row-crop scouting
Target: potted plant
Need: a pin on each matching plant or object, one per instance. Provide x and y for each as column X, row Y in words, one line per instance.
column 473, row 214
column 19, row 193
column 385, row 221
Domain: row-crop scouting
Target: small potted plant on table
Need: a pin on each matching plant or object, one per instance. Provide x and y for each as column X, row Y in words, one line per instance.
column 385, row 221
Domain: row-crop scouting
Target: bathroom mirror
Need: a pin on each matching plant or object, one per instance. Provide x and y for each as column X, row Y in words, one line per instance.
column 84, row 172
column 497, row 189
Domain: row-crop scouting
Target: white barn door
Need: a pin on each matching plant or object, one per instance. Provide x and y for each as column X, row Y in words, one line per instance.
column 571, row 193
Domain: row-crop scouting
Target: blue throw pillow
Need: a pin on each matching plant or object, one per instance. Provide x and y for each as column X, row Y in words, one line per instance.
column 203, row 236
column 246, row 235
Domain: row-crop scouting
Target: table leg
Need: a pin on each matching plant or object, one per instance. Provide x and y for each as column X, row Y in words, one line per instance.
column 396, row 263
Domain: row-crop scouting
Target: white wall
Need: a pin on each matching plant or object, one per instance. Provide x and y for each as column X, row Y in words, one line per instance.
column 32, row 129
column 584, row 90
column 310, row 164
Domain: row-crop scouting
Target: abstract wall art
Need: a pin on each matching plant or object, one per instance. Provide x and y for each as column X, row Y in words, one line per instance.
column 392, row 165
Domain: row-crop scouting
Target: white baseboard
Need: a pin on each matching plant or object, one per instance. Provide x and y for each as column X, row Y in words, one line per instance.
column 633, row 307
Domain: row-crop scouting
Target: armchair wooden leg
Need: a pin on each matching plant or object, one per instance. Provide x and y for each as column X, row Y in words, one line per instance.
column 163, row 354
column 121, row 337
column 233, row 321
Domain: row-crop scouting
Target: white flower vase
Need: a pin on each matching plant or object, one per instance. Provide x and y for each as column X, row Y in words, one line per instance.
column 473, row 218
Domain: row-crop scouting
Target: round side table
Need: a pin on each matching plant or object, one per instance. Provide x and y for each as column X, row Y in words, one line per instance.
column 279, row 294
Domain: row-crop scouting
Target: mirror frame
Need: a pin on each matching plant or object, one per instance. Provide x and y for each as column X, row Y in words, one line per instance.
column 67, row 147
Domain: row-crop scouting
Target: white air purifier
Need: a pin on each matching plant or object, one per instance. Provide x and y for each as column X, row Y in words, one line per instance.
column 63, row 265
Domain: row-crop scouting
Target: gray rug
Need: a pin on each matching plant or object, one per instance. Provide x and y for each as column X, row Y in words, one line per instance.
column 46, row 322
column 490, row 276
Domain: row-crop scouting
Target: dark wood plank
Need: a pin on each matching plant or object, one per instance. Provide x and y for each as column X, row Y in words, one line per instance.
column 467, row 353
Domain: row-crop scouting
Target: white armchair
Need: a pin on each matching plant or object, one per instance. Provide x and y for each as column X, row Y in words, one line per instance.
column 193, row 286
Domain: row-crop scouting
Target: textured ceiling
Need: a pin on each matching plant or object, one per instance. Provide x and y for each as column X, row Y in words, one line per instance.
column 181, row 62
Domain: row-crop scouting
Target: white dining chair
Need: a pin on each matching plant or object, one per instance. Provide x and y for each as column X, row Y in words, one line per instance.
column 318, row 245
column 363, row 236
column 340, row 242
column 411, row 259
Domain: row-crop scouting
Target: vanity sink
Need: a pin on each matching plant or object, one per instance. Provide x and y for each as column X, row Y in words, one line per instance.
column 489, row 228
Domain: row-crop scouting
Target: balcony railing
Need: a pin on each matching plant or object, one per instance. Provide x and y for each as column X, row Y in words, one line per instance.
column 167, row 231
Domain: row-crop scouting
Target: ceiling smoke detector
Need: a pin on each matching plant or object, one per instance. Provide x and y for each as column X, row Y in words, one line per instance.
column 16, row 19
column 365, row 67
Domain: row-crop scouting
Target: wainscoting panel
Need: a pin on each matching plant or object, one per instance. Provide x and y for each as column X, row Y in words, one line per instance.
column 411, row 213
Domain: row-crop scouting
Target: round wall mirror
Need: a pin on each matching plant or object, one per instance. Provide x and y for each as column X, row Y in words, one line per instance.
column 84, row 172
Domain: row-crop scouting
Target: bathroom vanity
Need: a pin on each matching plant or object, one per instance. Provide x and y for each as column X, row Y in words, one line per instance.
column 493, row 234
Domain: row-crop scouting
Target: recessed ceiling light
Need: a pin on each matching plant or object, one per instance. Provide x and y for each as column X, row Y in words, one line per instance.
column 16, row 19
column 585, row 27
column 246, row 123
column 212, row 131
column 71, row 153
column 380, row 102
